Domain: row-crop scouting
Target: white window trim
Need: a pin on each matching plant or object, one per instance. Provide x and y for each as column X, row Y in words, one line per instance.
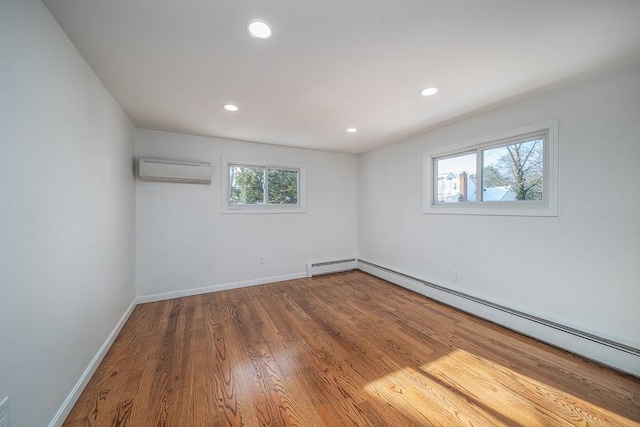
column 300, row 207
column 547, row 207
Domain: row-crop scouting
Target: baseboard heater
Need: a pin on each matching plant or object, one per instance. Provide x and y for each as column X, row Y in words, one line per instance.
column 611, row 353
column 330, row 267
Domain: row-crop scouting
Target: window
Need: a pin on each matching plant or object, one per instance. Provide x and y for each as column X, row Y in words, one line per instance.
column 453, row 171
column 511, row 174
column 514, row 172
column 254, row 187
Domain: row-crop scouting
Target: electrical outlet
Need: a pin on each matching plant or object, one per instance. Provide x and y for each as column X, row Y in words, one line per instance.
column 456, row 276
column 4, row 412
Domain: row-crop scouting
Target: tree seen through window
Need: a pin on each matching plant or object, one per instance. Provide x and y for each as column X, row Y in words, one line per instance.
column 249, row 187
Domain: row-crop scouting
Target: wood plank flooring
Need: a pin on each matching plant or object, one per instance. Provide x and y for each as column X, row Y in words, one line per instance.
column 340, row 350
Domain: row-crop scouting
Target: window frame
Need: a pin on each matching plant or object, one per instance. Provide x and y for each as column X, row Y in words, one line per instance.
column 548, row 206
column 269, row 208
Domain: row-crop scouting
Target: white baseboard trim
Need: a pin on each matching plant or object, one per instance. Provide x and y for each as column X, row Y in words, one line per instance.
column 215, row 288
column 604, row 351
column 71, row 399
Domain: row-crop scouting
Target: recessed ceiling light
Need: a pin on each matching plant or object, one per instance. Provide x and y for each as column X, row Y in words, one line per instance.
column 352, row 130
column 230, row 107
column 429, row 91
column 259, row 29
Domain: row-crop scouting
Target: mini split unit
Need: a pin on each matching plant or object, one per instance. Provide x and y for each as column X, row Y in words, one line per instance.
column 174, row 171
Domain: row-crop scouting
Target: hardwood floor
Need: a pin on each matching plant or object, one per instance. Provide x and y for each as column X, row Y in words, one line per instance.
column 340, row 350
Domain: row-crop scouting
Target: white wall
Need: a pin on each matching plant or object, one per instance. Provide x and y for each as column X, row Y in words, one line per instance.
column 184, row 242
column 66, row 213
column 580, row 269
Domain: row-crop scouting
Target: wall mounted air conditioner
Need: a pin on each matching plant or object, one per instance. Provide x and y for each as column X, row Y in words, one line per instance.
column 174, row 171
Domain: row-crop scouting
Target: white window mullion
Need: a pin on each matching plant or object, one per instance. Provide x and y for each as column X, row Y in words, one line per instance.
column 479, row 177
column 266, row 186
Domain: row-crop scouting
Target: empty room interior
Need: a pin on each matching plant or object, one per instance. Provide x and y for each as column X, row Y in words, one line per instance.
column 361, row 213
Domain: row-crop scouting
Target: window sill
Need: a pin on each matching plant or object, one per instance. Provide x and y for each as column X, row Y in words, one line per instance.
column 263, row 210
column 500, row 209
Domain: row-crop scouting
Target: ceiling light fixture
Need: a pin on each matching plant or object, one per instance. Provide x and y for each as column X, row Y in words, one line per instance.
column 230, row 107
column 429, row 91
column 352, row 130
column 259, row 29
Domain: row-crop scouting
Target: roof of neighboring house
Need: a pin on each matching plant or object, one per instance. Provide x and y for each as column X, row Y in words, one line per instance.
column 494, row 194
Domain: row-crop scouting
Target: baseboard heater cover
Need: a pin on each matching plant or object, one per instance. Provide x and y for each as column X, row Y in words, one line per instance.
column 320, row 268
column 602, row 350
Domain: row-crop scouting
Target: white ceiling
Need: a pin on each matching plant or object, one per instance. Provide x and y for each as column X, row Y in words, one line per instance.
column 334, row 64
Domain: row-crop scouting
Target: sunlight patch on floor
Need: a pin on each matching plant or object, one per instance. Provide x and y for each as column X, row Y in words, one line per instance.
column 462, row 388
column 505, row 390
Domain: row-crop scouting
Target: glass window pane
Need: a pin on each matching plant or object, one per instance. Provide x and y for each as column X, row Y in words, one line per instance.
column 513, row 172
column 246, row 185
column 283, row 186
column 456, row 179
